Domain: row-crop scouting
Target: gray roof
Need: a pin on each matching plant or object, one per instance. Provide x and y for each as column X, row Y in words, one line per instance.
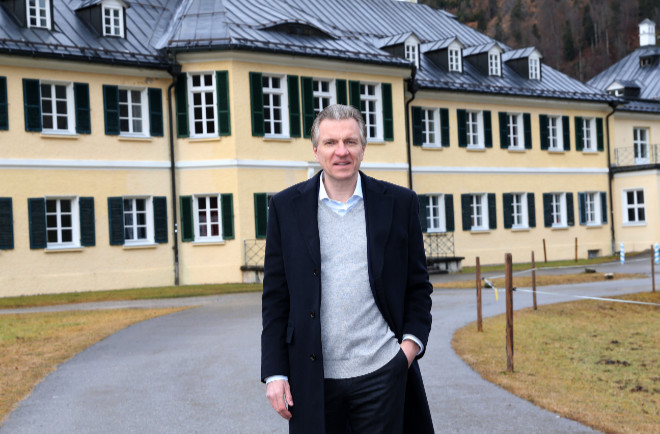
column 430, row 47
column 389, row 41
column 628, row 69
column 640, row 106
column 480, row 49
column 517, row 54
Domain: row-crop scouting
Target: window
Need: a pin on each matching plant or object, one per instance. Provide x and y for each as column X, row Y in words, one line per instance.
column 430, row 127
column 514, row 129
column 633, row 207
column 137, row 220
column 474, row 129
column 203, row 104
column 412, row 52
column 370, row 104
column 435, row 213
column 207, row 218
column 275, row 109
column 132, row 111
column 455, row 59
column 534, row 68
column 323, row 95
column 588, row 134
column 4, row 105
column 56, row 108
column 113, row 21
column 137, row 213
column 554, row 134
column 641, row 144
column 494, row 65
column 474, row 132
column 61, row 222
column 519, row 215
column 593, row 208
column 558, row 210
column 38, row 14
column 478, row 211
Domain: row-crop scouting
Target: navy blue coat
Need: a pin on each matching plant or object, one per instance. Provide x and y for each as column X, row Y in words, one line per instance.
column 291, row 336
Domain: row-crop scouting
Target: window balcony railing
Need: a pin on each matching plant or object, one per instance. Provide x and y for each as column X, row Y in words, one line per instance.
column 636, row 156
column 254, row 252
column 439, row 245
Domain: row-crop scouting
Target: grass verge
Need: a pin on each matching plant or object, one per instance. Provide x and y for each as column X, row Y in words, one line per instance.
column 32, row 345
column 592, row 361
column 127, row 294
column 542, row 280
column 552, row 264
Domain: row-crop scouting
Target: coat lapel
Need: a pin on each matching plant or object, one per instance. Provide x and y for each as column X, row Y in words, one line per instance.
column 378, row 207
column 306, row 212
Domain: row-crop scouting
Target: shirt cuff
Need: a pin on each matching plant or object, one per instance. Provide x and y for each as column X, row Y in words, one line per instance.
column 415, row 340
column 276, row 377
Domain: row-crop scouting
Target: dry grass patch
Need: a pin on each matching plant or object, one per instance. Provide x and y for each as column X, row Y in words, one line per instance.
column 592, row 361
column 543, row 280
column 32, row 345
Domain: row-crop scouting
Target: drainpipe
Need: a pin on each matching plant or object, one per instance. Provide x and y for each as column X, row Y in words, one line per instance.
column 412, row 87
column 610, row 174
column 175, row 71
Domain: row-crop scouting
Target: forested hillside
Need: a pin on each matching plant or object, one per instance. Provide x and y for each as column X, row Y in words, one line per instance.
column 578, row 37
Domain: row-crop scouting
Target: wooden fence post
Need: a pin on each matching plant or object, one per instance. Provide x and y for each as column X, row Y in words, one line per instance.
column 576, row 249
column 480, row 327
column 653, row 266
column 534, row 280
column 509, row 312
column 545, row 253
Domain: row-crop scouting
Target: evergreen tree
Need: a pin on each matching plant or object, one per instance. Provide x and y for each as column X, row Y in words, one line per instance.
column 569, row 44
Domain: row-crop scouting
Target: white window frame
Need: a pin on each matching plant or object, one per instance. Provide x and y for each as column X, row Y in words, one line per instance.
column 148, row 225
column 435, row 214
column 129, row 115
column 454, row 58
column 271, row 94
column 203, row 89
column 371, row 106
column 558, row 210
column 636, row 206
column 54, row 113
column 589, row 135
column 519, row 211
column 323, row 98
column 555, row 133
column 39, row 13
column 494, row 64
column 474, row 120
column 514, row 125
column 592, row 209
column 207, row 212
column 479, row 212
column 115, row 13
column 58, row 228
column 411, row 51
column 641, row 145
column 431, row 127
column 534, row 67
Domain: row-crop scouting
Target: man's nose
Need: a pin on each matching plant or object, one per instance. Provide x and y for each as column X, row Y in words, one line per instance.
column 341, row 149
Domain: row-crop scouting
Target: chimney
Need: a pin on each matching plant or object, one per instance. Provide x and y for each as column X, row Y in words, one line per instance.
column 646, row 33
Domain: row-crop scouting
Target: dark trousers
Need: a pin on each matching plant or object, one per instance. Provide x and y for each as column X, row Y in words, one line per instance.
column 371, row 403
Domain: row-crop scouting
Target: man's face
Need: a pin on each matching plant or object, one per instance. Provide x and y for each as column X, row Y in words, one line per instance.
column 339, row 150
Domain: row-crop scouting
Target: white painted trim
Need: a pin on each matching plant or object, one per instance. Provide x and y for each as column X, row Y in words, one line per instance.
column 80, row 164
column 276, row 164
column 651, row 172
column 510, row 170
column 94, row 68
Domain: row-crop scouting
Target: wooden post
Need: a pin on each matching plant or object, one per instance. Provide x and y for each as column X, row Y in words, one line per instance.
column 480, row 326
column 653, row 266
column 545, row 253
column 534, row 280
column 509, row 312
column 576, row 250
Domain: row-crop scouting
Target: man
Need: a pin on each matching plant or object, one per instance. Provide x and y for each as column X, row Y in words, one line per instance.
column 347, row 299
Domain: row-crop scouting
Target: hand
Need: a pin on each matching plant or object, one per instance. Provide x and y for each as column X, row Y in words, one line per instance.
column 410, row 349
column 278, row 393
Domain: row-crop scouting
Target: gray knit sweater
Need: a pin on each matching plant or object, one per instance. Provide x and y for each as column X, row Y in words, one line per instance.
column 356, row 339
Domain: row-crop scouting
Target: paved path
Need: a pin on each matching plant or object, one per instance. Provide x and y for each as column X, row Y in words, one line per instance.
column 197, row 371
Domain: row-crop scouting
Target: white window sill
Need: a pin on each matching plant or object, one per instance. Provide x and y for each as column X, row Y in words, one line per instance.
column 137, row 246
column 479, row 231
column 436, row 231
column 204, row 139
column 556, row 151
column 277, row 139
column 520, row 229
column 63, row 249
column 516, row 149
column 633, row 224
column 476, row 148
column 432, row 147
column 209, row 243
column 560, row 227
column 58, row 135
column 590, row 152
column 127, row 138
column 594, row 225
column 376, row 142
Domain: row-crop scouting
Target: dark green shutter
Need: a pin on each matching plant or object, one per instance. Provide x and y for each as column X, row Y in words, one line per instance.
column 507, row 208
column 603, row 207
column 582, row 205
column 547, row 210
column 543, row 128
column 354, row 94
column 87, row 221
column 461, row 116
column 444, row 127
column 388, row 116
column 227, row 204
column 527, row 126
column 466, row 201
column 160, row 219
column 488, row 129
column 260, row 214
column 504, row 130
column 566, row 131
column 111, row 109
column 187, row 219
column 4, row 105
column 155, row 97
column 6, row 224
column 257, row 103
column 307, row 89
column 599, row 134
column 417, row 127
column 32, row 105
column 423, row 211
column 37, row 219
column 82, row 108
column 449, row 212
column 570, row 213
column 531, row 210
column 181, row 95
column 222, row 99
column 294, row 105
column 492, row 211
column 116, row 220
column 341, row 92
column 578, row 134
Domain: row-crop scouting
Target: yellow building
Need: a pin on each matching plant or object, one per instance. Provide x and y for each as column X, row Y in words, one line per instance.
column 140, row 143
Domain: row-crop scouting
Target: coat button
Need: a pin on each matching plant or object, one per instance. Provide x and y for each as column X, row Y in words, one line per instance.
column 312, row 357
column 312, row 314
column 315, row 272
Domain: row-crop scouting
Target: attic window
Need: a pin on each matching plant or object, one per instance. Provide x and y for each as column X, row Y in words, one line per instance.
column 38, row 13
column 455, row 59
column 534, row 68
column 647, row 61
column 412, row 52
column 494, row 64
column 113, row 21
column 298, row 29
column 616, row 92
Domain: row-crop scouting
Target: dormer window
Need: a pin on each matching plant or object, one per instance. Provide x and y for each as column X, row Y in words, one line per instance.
column 113, row 20
column 494, row 64
column 534, row 68
column 455, row 58
column 38, row 14
column 412, row 51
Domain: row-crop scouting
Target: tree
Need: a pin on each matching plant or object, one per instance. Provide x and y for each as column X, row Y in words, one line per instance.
column 568, row 42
